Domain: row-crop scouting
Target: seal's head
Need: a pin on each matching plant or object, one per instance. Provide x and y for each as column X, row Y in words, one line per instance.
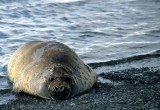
column 60, row 84
column 60, row 87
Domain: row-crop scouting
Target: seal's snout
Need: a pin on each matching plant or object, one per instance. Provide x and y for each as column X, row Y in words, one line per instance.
column 60, row 92
column 59, row 88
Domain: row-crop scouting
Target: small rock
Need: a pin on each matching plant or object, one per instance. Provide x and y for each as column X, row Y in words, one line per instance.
column 85, row 102
column 22, row 106
column 72, row 104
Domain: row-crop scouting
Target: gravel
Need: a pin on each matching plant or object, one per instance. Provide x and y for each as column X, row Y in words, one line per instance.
column 133, row 95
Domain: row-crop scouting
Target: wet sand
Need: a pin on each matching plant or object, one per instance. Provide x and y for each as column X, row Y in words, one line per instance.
column 137, row 93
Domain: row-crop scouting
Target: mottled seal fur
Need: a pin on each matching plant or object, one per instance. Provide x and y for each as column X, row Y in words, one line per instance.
column 50, row 70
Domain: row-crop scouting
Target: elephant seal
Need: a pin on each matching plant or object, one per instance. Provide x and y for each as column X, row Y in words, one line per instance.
column 49, row 70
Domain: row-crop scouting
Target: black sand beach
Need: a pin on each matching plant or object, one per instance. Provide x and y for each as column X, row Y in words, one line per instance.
column 137, row 93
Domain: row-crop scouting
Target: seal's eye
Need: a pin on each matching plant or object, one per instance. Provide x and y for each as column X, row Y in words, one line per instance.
column 51, row 79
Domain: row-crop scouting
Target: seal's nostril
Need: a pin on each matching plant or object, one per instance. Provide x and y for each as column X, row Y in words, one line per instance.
column 61, row 89
column 56, row 89
column 60, row 92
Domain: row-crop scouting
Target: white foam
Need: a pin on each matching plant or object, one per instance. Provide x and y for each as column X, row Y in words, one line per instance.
column 102, row 80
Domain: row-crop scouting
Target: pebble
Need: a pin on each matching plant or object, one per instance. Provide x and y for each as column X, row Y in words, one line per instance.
column 72, row 104
column 85, row 102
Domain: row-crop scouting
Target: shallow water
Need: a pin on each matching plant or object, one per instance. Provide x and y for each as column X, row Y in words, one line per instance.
column 109, row 35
